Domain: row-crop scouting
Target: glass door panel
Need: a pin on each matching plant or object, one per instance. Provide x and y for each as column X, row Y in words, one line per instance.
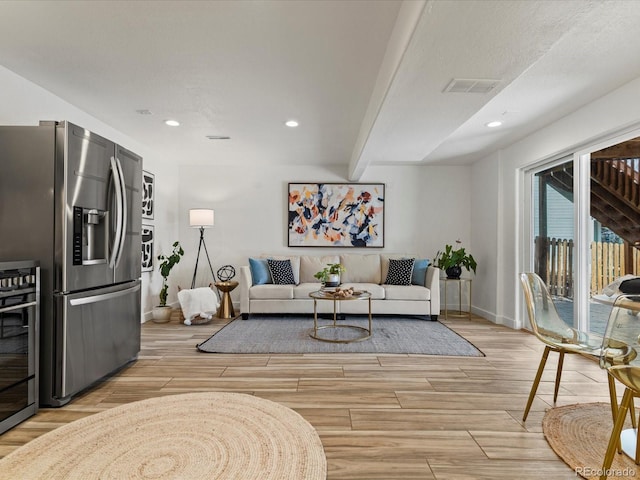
column 615, row 214
column 553, row 231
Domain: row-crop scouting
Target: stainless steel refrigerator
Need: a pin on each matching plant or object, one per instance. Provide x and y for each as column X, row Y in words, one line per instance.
column 72, row 200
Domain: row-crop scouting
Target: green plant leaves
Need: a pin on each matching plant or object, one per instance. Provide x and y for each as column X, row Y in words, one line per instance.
column 166, row 264
column 452, row 258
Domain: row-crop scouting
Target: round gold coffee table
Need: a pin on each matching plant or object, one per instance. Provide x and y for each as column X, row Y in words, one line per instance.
column 327, row 295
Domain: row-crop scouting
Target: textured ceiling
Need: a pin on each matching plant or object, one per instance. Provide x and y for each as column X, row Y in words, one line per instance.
column 365, row 79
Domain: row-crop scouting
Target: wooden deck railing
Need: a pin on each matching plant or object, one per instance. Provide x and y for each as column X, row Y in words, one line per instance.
column 608, row 262
column 554, row 263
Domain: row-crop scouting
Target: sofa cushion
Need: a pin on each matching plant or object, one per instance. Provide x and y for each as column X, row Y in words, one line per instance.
column 402, row 292
column 400, row 271
column 377, row 291
column 271, row 292
column 295, row 263
column 259, row 271
column 361, row 268
column 310, row 264
column 281, row 272
column 303, row 290
column 419, row 275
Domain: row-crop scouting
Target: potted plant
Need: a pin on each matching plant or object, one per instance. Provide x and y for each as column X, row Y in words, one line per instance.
column 452, row 261
column 330, row 275
column 162, row 313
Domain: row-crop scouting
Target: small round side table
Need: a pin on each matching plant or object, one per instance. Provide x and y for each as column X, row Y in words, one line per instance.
column 226, row 305
column 459, row 312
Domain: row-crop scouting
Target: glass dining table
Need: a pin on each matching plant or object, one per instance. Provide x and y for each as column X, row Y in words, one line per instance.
column 628, row 437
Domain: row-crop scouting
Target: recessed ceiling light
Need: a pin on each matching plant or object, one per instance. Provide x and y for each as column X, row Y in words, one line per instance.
column 291, row 123
column 172, row 123
column 494, row 124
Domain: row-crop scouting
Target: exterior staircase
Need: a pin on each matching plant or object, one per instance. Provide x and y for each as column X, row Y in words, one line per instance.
column 615, row 196
column 615, row 193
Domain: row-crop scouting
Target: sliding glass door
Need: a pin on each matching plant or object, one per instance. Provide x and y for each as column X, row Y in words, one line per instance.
column 584, row 228
column 615, row 211
column 553, row 232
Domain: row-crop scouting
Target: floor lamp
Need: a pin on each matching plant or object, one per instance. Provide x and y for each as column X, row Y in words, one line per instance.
column 201, row 218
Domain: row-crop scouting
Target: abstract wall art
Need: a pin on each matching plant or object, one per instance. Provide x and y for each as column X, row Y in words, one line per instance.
column 148, row 187
column 147, row 248
column 336, row 215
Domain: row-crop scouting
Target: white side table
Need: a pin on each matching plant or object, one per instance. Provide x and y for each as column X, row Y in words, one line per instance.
column 457, row 313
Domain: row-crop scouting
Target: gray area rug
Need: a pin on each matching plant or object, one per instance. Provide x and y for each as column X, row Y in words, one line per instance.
column 290, row 334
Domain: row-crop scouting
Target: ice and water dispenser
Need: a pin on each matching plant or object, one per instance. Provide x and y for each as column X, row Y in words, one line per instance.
column 90, row 236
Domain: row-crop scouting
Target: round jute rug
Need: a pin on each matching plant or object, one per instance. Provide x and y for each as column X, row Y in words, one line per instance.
column 580, row 433
column 191, row 436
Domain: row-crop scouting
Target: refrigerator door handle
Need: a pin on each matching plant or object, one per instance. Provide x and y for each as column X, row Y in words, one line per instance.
column 104, row 296
column 115, row 247
column 124, row 206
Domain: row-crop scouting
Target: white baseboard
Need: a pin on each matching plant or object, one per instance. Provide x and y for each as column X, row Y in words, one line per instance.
column 149, row 315
column 509, row 322
column 484, row 314
column 498, row 320
column 146, row 316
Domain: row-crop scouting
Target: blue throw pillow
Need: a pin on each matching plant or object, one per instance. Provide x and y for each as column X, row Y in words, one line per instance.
column 419, row 271
column 259, row 271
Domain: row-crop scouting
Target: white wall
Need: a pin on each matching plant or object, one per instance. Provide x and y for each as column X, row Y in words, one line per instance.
column 25, row 103
column 485, row 223
column 425, row 207
column 607, row 117
column 165, row 222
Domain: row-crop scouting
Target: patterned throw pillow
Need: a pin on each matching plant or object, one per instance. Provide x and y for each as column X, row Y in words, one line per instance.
column 281, row 272
column 400, row 271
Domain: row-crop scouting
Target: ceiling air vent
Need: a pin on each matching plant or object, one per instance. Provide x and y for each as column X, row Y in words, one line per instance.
column 471, row 85
column 218, row 137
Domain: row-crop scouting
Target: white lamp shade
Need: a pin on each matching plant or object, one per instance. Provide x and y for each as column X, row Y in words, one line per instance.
column 201, row 217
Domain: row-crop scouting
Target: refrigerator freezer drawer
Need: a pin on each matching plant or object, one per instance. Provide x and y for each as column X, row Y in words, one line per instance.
column 100, row 333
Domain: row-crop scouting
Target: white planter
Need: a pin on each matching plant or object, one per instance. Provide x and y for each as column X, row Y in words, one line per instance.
column 161, row 314
column 333, row 280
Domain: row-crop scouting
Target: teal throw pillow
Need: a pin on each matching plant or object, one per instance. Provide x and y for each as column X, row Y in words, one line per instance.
column 419, row 271
column 259, row 271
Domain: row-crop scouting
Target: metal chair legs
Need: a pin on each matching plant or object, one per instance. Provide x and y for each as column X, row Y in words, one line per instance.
column 536, row 381
column 627, row 398
column 558, row 375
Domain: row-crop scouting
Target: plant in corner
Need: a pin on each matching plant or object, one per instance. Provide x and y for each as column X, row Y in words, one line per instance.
column 452, row 261
column 162, row 313
column 330, row 275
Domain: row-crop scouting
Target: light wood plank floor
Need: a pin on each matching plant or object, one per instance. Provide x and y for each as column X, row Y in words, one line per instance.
column 379, row 416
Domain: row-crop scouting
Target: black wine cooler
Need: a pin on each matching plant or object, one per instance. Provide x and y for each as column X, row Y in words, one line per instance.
column 19, row 332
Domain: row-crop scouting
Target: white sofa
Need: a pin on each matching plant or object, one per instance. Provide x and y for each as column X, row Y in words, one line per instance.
column 363, row 272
